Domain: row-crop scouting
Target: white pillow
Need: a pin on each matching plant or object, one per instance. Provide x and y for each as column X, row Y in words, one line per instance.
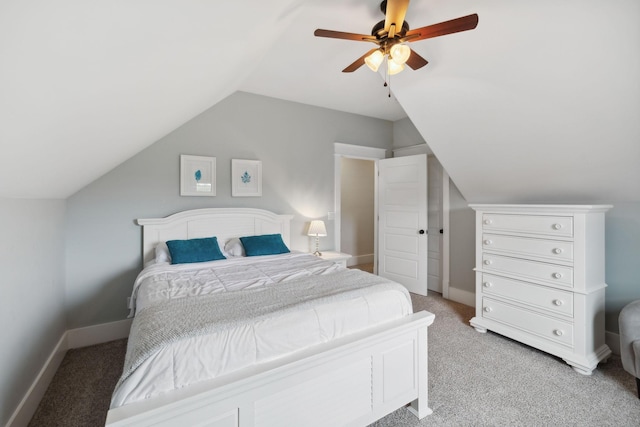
column 162, row 253
column 234, row 247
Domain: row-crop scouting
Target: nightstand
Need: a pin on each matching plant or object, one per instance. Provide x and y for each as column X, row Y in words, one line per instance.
column 337, row 257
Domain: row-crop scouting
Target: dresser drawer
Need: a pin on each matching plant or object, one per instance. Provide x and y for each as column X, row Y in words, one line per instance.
column 554, row 300
column 550, row 273
column 543, row 326
column 525, row 246
column 560, row 226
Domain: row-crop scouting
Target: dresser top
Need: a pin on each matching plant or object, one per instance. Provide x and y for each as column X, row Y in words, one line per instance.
column 540, row 208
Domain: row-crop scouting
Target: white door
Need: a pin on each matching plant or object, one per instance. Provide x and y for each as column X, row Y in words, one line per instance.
column 434, row 201
column 402, row 222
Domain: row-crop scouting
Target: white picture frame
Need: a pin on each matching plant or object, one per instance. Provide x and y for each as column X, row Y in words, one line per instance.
column 197, row 175
column 246, row 178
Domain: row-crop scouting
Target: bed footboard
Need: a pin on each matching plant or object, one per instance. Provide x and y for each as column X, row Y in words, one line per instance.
column 352, row 381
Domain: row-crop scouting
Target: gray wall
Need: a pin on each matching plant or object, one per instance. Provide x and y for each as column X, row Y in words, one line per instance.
column 462, row 239
column 294, row 143
column 622, row 245
column 32, row 303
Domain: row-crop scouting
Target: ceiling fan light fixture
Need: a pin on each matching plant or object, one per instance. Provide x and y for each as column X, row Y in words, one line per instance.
column 400, row 53
column 393, row 67
column 374, row 60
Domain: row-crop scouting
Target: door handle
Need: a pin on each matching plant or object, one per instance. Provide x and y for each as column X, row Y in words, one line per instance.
column 421, row 231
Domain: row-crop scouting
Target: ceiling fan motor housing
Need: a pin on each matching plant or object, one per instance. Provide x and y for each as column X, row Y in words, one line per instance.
column 378, row 30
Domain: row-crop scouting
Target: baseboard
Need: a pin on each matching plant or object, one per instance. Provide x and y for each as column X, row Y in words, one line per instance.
column 29, row 403
column 98, row 334
column 360, row 259
column 463, row 297
column 73, row 338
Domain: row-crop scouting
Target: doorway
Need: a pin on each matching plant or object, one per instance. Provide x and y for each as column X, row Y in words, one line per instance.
column 357, row 212
column 373, row 154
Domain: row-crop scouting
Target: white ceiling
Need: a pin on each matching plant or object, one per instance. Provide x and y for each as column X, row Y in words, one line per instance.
column 85, row 85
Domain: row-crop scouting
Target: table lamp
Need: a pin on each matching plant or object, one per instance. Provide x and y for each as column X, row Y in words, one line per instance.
column 317, row 229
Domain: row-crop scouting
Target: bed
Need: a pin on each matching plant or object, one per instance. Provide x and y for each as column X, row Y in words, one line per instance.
column 282, row 338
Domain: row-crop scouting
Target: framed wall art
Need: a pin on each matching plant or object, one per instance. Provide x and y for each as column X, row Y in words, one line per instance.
column 246, row 178
column 197, row 175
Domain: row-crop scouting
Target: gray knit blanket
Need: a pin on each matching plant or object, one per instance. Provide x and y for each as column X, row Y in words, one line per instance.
column 160, row 325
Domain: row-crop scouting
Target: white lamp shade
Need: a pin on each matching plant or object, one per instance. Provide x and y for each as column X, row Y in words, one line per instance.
column 317, row 229
column 374, row 60
column 394, row 68
column 400, row 53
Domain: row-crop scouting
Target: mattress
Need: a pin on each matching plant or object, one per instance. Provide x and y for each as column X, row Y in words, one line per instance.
column 195, row 322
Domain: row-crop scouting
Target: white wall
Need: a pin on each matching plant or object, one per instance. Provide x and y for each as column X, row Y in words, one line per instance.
column 294, row 143
column 357, row 209
column 32, row 303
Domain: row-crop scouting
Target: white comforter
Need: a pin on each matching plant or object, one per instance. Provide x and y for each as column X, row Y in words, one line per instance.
column 287, row 309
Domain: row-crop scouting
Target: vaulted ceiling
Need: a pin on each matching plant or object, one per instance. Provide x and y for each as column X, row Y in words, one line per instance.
column 540, row 103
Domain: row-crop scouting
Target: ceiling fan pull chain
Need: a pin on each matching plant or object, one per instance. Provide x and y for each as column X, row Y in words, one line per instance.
column 388, row 76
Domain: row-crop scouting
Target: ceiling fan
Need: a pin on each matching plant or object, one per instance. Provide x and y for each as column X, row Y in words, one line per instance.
column 392, row 35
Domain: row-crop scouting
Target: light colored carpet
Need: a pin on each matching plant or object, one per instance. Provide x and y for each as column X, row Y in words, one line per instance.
column 474, row 380
column 488, row 380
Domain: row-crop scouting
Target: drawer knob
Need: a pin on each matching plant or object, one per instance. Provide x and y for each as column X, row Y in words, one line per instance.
column 557, row 275
column 556, row 226
column 488, row 242
column 488, row 284
column 488, row 309
column 558, row 332
column 558, row 302
column 487, row 262
column 557, row 251
column 487, row 222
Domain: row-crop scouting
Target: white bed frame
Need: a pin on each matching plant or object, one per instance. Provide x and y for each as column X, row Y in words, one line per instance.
column 354, row 380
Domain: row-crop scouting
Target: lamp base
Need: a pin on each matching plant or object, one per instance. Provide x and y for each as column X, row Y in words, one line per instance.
column 317, row 253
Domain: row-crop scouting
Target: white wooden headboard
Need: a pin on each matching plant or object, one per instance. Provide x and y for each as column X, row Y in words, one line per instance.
column 223, row 223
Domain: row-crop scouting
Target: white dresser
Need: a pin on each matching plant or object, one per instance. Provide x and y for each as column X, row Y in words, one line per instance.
column 540, row 278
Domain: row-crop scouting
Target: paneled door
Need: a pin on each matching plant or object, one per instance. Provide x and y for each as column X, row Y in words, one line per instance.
column 402, row 222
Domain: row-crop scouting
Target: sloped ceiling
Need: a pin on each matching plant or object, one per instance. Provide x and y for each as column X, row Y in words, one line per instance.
column 541, row 103
column 84, row 85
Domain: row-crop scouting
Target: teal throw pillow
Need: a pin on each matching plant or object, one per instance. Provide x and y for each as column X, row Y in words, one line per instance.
column 194, row 250
column 266, row 244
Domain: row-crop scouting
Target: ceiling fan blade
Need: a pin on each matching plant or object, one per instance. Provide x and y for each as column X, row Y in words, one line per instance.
column 358, row 62
column 396, row 11
column 464, row 23
column 416, row 61
column 342, row 35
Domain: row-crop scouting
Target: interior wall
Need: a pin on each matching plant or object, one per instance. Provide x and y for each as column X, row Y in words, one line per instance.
column 622, row 269
column 405, row 134
column 462, row 238
column 294, row 143
column 32, row 302
column 357, row 209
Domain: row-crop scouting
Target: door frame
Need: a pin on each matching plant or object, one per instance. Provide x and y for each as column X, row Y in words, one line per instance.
column 340, row 151
column 370, row 153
